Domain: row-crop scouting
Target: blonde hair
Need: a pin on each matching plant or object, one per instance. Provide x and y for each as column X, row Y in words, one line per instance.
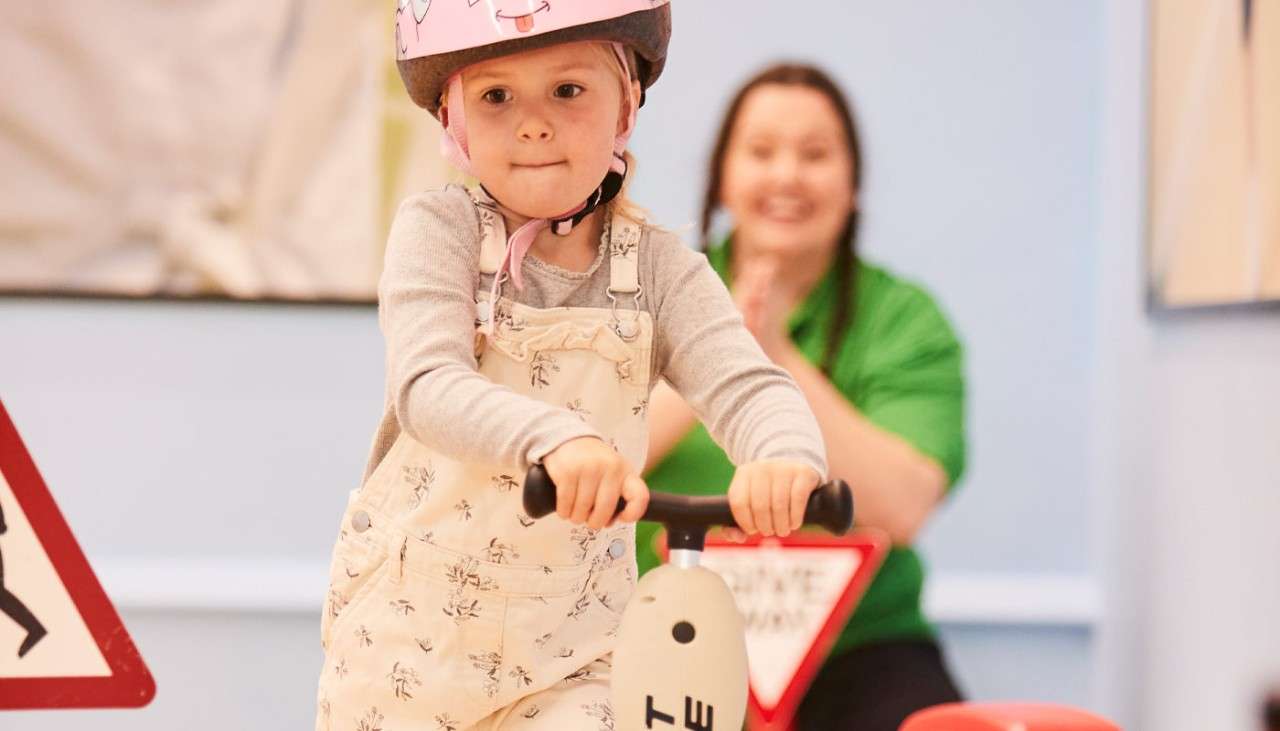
column 622, row 204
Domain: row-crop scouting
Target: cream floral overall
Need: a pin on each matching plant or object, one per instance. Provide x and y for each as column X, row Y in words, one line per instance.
column 449, row 608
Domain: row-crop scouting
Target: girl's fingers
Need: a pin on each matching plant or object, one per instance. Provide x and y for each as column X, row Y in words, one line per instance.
column 802, row 486
column 585, row 499
column 636, row 493
column 770, row 499
column 780, row 502
column 566, row 495
column 740, row 501
column 606, row 502
column 761, row 502
column 735, row 535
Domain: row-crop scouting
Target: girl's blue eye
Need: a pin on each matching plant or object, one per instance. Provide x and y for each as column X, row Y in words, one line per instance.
column 568, row 91
column 496, row 96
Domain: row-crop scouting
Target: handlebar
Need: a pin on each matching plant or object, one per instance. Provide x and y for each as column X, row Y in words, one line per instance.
column 687, row 517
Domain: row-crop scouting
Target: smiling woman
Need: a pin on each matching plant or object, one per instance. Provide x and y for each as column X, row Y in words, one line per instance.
column 873, row 354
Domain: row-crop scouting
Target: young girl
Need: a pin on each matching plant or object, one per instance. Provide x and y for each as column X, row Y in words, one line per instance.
column 449, row 608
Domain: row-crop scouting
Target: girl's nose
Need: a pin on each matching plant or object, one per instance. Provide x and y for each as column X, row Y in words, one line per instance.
column 535, row 129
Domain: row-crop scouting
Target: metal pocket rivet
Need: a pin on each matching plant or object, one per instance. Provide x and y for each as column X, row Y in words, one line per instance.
column 361, row 522
column 627, row 330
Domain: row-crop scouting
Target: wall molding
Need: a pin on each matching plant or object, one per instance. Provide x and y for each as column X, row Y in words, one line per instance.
column 1007, row 598
column 276, row 586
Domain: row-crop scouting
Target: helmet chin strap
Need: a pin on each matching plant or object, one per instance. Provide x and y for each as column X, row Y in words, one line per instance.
column 454, row 147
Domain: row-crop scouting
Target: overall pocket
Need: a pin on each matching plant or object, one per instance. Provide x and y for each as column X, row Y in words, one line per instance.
column 347, row 618
column 555, row 637
column 359, row 552
column 613, row 588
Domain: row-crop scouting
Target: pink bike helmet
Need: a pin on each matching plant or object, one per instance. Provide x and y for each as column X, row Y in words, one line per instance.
column 436, row 39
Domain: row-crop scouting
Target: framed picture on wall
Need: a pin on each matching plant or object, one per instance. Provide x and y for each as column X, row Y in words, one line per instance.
column 1214, row 217
column 232, row 149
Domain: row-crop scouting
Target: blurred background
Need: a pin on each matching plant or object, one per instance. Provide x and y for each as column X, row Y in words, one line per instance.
column 1113, row 544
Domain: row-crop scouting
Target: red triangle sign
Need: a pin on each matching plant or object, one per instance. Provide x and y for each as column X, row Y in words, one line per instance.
column 62, row 645
column 796, row 595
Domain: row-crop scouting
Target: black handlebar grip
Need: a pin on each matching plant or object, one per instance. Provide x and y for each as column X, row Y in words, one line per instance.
column 830, row 506
column 539, row 493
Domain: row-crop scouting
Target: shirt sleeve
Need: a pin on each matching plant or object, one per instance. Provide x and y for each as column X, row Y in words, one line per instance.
column 752, row 408
column 912, row 381
column 426, row 308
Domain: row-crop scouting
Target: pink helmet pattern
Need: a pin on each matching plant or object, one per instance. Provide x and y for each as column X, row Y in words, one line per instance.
column 437, row 38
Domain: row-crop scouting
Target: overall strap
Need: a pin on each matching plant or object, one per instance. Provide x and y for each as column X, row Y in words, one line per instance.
column 624, row 256
column 624, row 273
column 493, row 234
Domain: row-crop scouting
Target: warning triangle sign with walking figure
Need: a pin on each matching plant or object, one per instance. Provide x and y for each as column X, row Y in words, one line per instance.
column 62, row 644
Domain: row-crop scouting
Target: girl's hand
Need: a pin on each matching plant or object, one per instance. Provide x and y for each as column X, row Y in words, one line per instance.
column 590, row 476
column 769, row 496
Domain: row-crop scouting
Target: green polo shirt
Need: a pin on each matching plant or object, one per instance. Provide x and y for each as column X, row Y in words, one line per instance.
column 901, row 366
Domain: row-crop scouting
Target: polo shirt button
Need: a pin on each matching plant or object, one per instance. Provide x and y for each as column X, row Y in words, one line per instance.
column 617, row 548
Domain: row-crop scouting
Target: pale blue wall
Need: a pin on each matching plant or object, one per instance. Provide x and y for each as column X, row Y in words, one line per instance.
column 224, row 430
column 980, row 125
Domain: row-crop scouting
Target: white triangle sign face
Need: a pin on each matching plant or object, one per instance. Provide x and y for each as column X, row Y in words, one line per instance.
column 785, row 597
column 795, row 595
column 35, row 599
column 62, row 645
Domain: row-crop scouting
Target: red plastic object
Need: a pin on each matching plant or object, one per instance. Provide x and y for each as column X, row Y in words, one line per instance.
column 1005, row 717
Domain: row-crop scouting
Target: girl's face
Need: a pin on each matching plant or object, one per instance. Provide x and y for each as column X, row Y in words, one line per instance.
column 541, row 125
column 788, row 172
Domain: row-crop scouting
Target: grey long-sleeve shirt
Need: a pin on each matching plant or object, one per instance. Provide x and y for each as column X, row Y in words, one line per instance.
column 435, row 393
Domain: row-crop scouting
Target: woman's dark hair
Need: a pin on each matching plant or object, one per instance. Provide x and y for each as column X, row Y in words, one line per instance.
column 810, row 77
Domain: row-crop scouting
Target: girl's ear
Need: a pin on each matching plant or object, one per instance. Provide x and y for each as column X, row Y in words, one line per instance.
column 629, row 107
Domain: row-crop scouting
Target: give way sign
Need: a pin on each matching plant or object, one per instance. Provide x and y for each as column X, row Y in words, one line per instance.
column 796, row 594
